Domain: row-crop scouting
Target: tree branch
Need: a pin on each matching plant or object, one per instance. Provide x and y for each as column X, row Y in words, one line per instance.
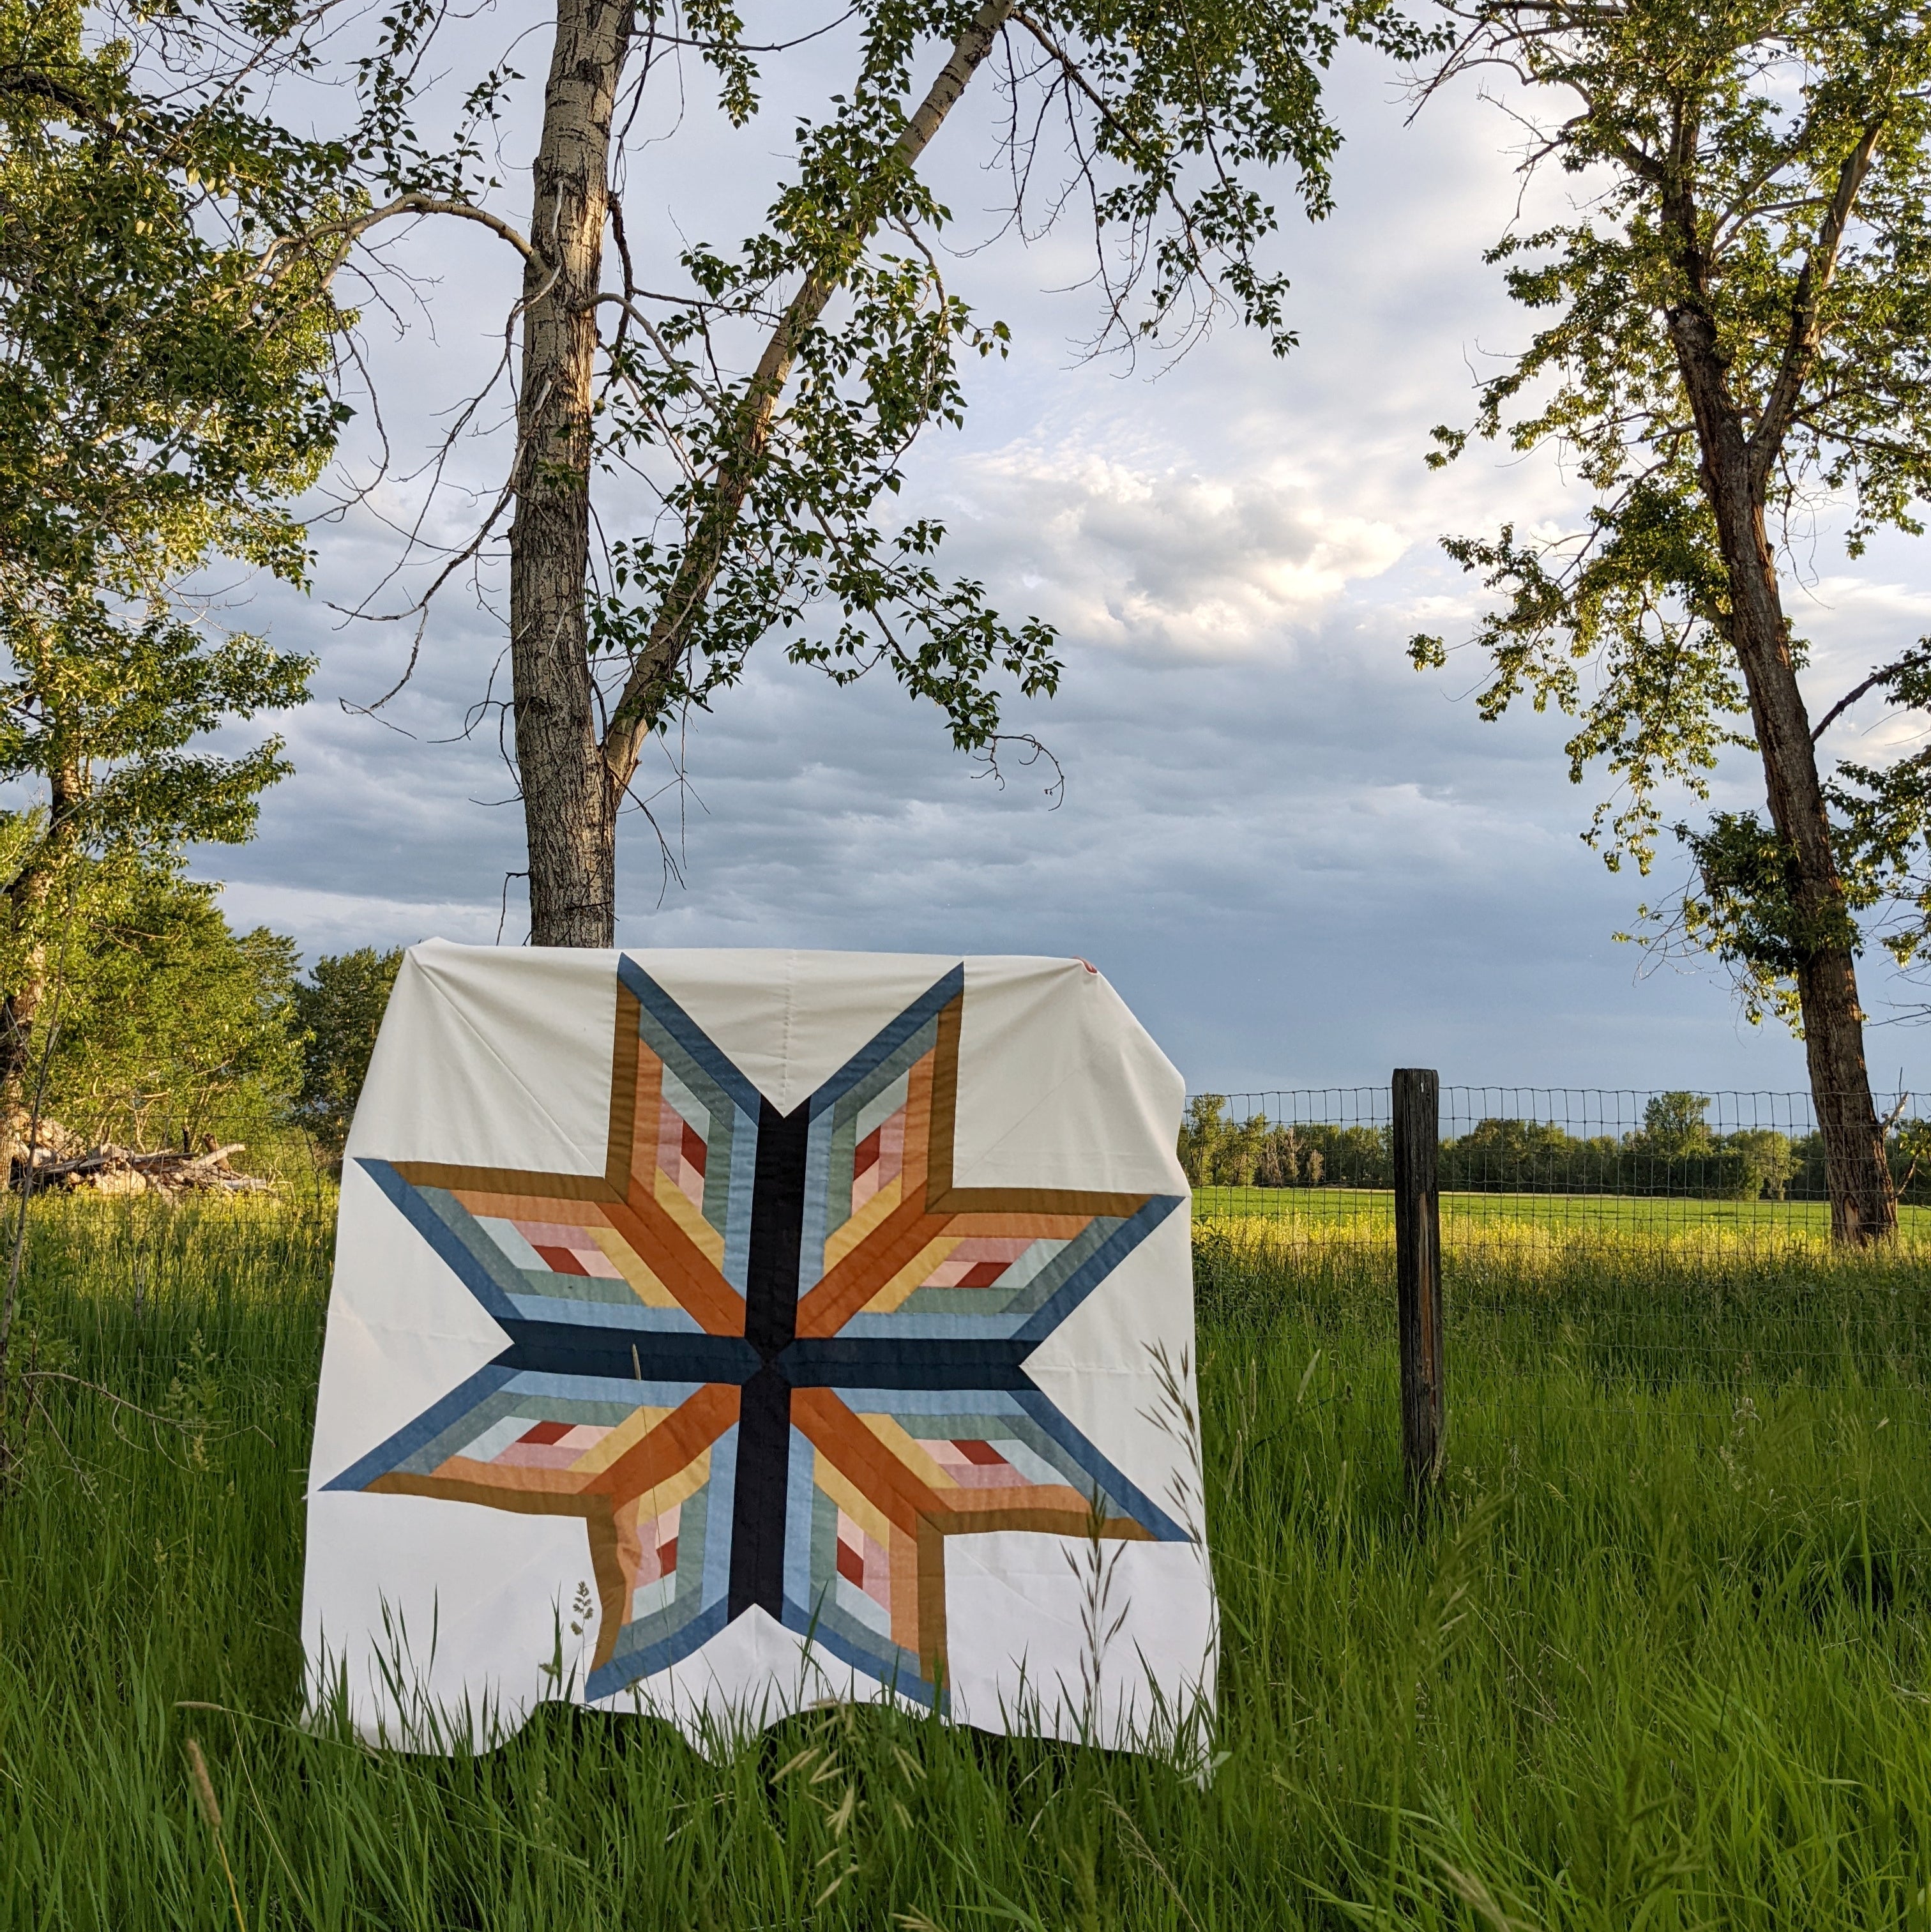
column 20, row 82
column 357, row 225
column 1806, row 304
column 649, row 677
column 1877, row 677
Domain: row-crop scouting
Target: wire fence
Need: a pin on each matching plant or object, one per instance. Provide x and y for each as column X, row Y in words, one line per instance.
column 1647, row 1236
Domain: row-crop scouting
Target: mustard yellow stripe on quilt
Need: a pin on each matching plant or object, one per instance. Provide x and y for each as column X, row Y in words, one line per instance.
column 861, row 1509
column 676, row 1203
column 933, row 1254
column 675, row 1489
column 841, row 1241
column 633, row 1268
column 907, row 1450
column 599, row 1457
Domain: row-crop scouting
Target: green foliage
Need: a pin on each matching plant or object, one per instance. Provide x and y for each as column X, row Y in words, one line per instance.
column 1750, row 910
column 1526, row 1157
column 1675, row 1124
column 1674, row 1154
column 1216, row 1152
column 1655, row 1659
column 165, row 388
column 1346, row 1156
column 171, row 1024
column 1883, row 817
column 167, row 368
column 109, row 711
column 1768, row 1161
column 1757, row 181
column 339, row 1010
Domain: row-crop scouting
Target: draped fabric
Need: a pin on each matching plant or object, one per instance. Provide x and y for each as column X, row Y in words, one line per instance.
column 715, row 1334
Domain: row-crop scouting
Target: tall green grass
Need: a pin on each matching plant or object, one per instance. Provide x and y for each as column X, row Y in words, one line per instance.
column 1658, row 1658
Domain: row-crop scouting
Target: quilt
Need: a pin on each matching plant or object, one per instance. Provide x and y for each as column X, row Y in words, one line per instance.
column 714, row 1334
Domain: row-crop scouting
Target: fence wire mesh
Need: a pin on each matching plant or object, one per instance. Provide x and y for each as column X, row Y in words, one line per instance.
column 1664, row 1239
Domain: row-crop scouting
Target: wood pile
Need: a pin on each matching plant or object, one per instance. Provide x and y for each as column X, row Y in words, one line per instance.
column 59, row 1159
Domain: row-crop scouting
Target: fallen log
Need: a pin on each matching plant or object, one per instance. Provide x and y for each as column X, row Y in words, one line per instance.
column 108, row 1169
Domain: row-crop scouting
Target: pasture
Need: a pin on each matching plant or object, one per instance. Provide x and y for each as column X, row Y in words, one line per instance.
column 1660, row 1656
column 1472, row 1217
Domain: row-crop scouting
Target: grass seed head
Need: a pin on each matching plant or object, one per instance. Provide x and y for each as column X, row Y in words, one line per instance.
column 204, row 1785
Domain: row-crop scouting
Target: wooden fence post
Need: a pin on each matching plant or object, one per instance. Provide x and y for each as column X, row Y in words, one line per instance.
column 1416, row 1138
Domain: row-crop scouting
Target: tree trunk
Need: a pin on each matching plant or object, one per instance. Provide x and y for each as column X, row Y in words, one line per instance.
column 26, row 905
column 569, row 799
column 1863, row 1204
column 572, row 784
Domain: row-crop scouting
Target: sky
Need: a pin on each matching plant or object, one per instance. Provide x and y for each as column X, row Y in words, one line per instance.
column 1302, row 862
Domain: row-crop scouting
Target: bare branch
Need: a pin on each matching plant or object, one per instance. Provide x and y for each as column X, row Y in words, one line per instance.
column 1851, row 696
column 356, row 227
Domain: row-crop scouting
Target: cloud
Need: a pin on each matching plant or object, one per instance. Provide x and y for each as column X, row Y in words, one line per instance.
column 341, row 921
column 1164, row 560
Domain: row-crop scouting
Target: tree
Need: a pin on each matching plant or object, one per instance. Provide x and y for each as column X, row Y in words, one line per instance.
column 171, row 1025
column 1676, row 1126
column 1215, row 1151
column 1911, row 1158
column 166, row 388
column 1765, row 1162
column 1731, row 329
column 105, row 712
column 768, row 400
column 339, row 1010
column 1284, row 1162
column 1507, row 1156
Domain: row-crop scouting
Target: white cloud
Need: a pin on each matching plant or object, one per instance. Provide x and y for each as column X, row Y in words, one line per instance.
column 1160, row 560
column 340, row 921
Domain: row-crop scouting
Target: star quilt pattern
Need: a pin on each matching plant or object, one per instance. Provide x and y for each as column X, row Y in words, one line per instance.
column 769, row 1359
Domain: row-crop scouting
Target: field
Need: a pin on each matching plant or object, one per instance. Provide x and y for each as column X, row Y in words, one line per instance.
column 1472, row 1216
column 1661, row 1656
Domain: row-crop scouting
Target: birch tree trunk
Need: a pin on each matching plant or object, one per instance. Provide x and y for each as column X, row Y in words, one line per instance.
column 569, row 799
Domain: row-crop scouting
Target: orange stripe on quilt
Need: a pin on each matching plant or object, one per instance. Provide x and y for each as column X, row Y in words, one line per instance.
column 712, row 1302
column 685, row 1434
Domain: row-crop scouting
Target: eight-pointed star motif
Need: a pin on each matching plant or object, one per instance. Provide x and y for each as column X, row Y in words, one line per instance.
column 771, row 1360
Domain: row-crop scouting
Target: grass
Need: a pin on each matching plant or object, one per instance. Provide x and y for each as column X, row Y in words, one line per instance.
column 1660, row 1657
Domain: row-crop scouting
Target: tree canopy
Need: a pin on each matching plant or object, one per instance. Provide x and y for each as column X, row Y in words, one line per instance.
column 762, row 395
column 171, row 1025
column 338, row 1010
column 168, row 388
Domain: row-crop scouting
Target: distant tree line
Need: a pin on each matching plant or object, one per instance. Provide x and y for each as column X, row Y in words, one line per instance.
column 1675, row 1151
